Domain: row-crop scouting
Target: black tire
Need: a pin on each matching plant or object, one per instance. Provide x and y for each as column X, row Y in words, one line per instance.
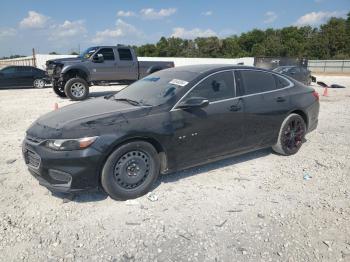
column 76, row 89
column 291, row 135
column 130, row 171
column 59, row 90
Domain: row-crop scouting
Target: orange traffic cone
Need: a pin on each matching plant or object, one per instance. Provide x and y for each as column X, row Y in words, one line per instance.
column 325, row 91
column 55, row 106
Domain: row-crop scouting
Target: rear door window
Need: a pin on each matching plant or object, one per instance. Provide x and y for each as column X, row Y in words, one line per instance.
column 281, row 82
column 23, row 69
column 216, row 87
column 252, row 82
column 125, row 54
column 107, row 53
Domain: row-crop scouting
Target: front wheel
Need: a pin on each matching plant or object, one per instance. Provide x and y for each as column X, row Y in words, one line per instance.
column 130, row 171
column 291, row 135
column 76, row 89
column 59, row 90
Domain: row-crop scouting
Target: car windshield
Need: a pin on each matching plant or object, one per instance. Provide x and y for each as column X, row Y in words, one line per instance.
column 88, row 52
column 156, row 89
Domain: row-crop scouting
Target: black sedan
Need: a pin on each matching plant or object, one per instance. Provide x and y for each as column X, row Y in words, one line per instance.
column 298, row 73
column 22, row 76
column 170, row 120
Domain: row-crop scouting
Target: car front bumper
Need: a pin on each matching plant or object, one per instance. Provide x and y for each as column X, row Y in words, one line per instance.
column 63, row 171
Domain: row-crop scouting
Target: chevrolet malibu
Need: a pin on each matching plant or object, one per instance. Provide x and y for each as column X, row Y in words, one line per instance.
column 171, row 120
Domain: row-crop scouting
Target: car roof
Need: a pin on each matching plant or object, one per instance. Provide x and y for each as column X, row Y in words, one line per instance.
column 209, row 68
column 112, row 46
column 289, row 66
column 16, row 66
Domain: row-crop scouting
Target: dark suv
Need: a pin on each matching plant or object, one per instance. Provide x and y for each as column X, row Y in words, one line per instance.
column 298, row 73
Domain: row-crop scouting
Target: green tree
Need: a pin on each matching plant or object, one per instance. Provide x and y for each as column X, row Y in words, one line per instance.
column 330, row 40
column 147, row 50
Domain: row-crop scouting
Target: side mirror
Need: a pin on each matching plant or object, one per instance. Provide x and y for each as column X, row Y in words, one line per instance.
column 98, row 58
column 194, row 102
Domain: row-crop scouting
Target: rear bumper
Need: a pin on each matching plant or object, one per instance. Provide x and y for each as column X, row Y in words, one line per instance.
column 313, row 112
column 313, row 126
column 59, row 171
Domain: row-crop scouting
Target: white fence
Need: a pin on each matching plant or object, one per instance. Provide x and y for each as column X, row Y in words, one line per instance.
column 329, row 66
column 181, row 61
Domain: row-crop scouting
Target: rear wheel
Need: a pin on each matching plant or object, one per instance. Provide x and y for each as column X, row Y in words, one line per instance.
column 130, row 171
column 39, row 83
column 76, row 89
column 291, row 135
column 59, row 90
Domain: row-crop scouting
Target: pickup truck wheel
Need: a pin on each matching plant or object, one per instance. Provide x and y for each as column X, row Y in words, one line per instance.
column 76, row 89
column 59, row 90
column 130, row 171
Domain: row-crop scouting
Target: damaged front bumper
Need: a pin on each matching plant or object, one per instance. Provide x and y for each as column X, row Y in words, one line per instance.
column 62, row 171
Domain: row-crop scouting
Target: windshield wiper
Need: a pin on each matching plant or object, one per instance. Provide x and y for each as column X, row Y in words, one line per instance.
column 130, row 101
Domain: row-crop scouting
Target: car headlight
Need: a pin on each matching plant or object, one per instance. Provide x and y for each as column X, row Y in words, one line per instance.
column 70, row 144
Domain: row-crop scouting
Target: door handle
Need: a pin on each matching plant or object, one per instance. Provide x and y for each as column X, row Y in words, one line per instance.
column 280, row 99
column 235, row 108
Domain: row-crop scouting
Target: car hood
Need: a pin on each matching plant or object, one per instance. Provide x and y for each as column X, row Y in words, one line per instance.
column 65, row 61
column 89, row 118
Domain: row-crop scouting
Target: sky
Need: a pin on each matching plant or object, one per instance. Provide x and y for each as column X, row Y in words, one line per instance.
column 65, row 26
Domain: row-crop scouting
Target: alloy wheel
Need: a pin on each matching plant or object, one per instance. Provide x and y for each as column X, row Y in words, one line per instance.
column 78, row 90
column 293, row 134
column 39, row 83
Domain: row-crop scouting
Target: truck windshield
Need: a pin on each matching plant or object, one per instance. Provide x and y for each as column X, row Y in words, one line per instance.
column 158, row 88
column 88, row 52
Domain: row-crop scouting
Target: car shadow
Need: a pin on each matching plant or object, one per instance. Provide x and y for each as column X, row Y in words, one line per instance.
column 81, row 197
column 173, row 177
column 99, row 195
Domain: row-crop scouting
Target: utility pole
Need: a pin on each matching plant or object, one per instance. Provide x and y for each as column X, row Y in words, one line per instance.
column 34, row 58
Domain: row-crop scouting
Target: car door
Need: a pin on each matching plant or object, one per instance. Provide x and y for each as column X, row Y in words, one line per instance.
column 211, row 131
column 8, row 77
column 106, row 70
column 25, row 76
column 265, row 104
column 127, row 65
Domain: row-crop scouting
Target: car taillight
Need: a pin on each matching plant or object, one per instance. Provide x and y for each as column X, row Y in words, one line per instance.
column 316, row 95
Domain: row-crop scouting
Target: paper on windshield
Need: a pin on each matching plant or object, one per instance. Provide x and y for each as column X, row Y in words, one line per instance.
column 178, row 82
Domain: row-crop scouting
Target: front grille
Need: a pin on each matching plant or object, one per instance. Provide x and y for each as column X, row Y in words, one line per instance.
column 33, row 139
column 32, row 159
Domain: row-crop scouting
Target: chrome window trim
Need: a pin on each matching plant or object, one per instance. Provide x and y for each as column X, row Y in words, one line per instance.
column 226, row 70
column 291, row 84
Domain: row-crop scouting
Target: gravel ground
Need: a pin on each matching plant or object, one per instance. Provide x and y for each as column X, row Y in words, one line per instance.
column 255, row 207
